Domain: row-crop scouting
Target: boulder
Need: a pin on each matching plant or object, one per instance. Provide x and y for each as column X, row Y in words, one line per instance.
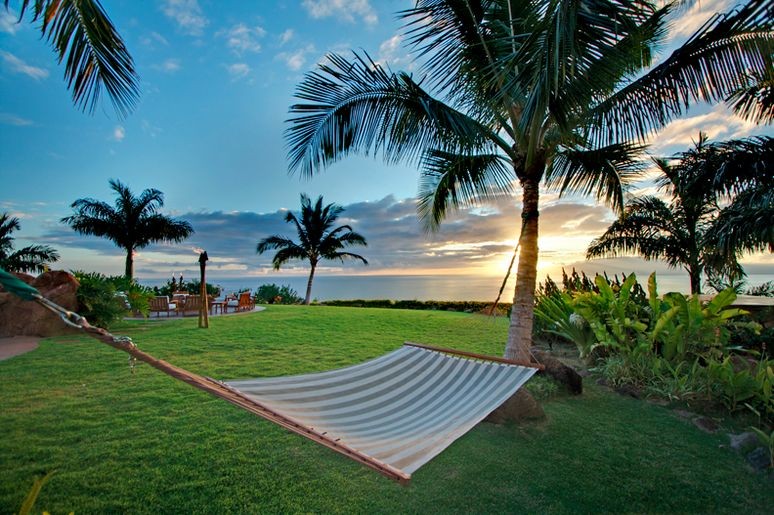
column 706, row 424
column 742, row 440
column 561, row 373
column 21, row 317
column 521, row 406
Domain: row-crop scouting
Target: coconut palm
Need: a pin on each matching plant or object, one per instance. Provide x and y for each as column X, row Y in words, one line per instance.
column 318, row 239
column 132, row 224
column 520, row 92
column 95, row 56
column 694, row 230
column 34, row 258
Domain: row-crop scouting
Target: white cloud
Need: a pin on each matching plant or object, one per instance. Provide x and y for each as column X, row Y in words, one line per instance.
column 16, row 65
column 187, row 14
column 686, row 23
column 286, row 36
column 391, row 53
column 718, row 124
column 154, row 37
column 238, row 70
column 8, row 22
column 119, row 133
column 343, row 10
column 295, row 60
column 12, row 119
column 241, row 38
column 169, row 66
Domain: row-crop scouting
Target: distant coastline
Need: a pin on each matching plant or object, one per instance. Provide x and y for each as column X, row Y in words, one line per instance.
column 413, row 287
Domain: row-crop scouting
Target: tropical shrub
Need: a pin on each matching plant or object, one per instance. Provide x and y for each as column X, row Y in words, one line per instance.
column 555, row 316
column 273, row 293
column 98, row 299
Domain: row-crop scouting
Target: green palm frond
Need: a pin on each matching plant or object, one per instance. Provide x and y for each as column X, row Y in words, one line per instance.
column 95, row 56
column 358, row 107
column 745, row 225
column 717, row 61
column 33, row 258
column 452, row 180
column 755, row 103
column 603, row 172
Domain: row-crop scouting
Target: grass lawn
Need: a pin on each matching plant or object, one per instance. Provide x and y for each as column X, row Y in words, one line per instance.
column 143, row 442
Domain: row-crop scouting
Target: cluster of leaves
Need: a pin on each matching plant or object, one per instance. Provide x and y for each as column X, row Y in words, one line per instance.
column 105, row 299
column 276, row 294
column 194, row 286
column 672, row 346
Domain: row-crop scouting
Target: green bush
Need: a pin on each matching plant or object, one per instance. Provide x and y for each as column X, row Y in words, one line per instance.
column 273, row 293
column 98, row 299
column 438, row 305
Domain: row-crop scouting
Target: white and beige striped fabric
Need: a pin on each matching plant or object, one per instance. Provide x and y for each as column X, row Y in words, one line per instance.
column 402, row 408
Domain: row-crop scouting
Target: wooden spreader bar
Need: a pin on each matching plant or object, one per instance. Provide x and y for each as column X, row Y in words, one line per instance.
column 474, row 355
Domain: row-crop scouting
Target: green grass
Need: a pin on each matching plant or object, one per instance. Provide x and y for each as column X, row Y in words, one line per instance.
column 143, row 442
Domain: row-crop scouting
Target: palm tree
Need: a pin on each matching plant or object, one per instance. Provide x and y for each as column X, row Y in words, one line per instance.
column 693, row 230
column 132, row 224
column 318, row 239
column 33, row 258
column 95, row 56
column 523, row 91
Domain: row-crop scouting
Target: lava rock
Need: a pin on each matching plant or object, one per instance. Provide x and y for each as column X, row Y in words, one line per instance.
column 20, row 317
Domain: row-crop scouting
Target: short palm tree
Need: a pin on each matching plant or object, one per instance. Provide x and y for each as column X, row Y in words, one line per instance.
column 95, row 56
column 694, row 230
column 317, row 239
column 521, row 92
column 132, row 224
column 34, row 258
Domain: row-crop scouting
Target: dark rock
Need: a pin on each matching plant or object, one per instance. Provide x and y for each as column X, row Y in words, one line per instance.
column 629, row 390
column 684, row 414
column 742, row 440
column 706, row 424
column 20, row 317
column 519, row 407
column 584, row 373
column 759, row 459
column 602, row 381
column 561, row 373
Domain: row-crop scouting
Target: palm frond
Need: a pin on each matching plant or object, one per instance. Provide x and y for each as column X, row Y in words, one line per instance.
column 95, row 56
column 356, row 106
column 602, row 172
column 452, row 180
column 33, row 258
column 717, row 61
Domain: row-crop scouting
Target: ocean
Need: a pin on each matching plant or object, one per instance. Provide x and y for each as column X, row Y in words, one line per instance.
column 413, row 287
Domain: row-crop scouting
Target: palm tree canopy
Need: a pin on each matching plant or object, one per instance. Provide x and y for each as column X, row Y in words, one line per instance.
column 95, row 56
column 318, row 238
column 33, row 258
column 133, row 223
column 509, row 87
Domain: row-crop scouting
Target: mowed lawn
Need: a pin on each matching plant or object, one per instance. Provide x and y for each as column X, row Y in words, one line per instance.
column 145, row 443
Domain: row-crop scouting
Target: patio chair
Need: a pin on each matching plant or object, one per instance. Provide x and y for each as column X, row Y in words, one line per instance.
column 245, row 302
column 192, row 303
column 161, row 304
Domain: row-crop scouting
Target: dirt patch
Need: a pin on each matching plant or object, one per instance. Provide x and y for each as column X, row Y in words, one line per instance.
column 15, row 345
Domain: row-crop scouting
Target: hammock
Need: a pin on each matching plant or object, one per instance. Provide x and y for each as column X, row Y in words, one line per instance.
column 393, row 413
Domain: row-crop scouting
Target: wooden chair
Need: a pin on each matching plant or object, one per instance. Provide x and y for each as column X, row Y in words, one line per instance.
column 161, row 304
column 192, row 303
column 245, row 302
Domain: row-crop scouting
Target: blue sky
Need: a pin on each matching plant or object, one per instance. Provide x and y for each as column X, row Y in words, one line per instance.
column 217, row 78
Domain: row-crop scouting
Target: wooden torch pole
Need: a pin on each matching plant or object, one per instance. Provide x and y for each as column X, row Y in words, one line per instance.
column 204, row 321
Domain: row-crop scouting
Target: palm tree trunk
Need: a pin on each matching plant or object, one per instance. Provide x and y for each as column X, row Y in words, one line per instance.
column 694, row 272
column 520, row 329
column 129, row 270
column 308, row 298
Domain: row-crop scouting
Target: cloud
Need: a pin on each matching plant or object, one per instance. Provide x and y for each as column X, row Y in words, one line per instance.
column 119, row 133
column 169, row 66
column 8, row 21
column 286, row 36
column 151, row 38
column 343, row 10
column 12, row 119
column 238, row 70
column 391, row 53
column 16, row 65
column 150, row 129
column 688, row 22
column 295, row 60
column 187, row 14
column 241, row 38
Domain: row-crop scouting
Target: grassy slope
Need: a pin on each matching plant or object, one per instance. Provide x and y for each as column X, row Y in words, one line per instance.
column 147, row 443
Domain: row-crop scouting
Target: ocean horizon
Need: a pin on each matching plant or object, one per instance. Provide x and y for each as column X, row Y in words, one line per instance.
column 414, row 287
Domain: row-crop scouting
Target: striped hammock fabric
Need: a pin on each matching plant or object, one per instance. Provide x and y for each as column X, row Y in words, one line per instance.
column 394, row 413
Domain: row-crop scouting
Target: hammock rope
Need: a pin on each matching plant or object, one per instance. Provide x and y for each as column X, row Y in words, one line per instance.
column 227, row 392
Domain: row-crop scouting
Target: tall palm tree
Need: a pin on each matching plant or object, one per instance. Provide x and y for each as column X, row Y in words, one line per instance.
column 694, row 229
column 132, row 224
column 318, row 239
column 523, row 91
column 95, row 56
column 33, row 258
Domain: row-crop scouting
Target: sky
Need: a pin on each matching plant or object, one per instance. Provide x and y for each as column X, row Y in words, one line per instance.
column 217, row 80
